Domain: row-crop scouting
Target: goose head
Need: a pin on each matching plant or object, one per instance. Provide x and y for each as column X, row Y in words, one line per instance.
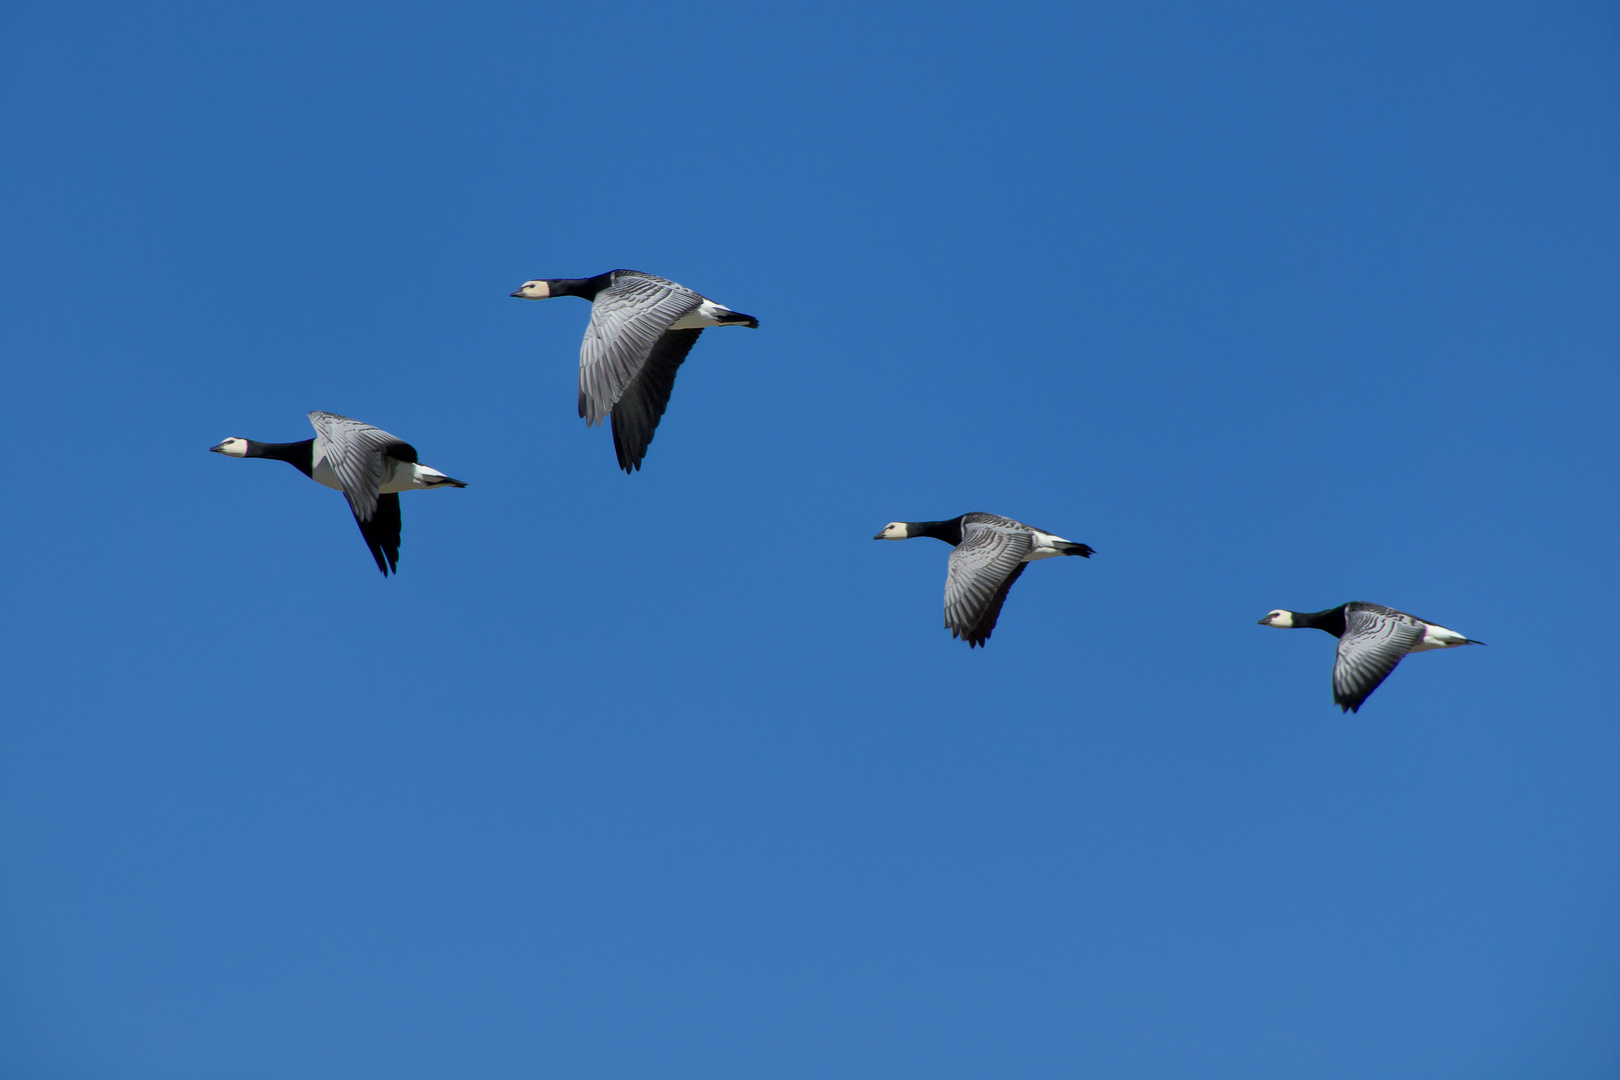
column 534, row 290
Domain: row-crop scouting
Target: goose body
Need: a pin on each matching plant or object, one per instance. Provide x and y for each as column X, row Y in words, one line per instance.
column 642, row 328
column 988, row 553
column 370, row 466
column 1372, row 640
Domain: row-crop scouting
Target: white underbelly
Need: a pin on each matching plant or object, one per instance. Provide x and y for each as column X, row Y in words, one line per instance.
column 401, row 476
column 410, row 477
column 707, row 314
column 322, row 474
column 1437, row 637
column 1043, row 546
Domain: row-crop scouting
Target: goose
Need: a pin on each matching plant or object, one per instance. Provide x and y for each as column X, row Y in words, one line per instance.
column 367, row 464
column 642, row 326
column 1372, row 640
column 989, row 552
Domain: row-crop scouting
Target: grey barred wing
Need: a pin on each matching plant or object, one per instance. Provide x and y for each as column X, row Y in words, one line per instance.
column 1374, row 640
column 638, row 410
column 357, row 453
column 359, row 456
column 981, row 570
column 628, row 319
column 978, row 517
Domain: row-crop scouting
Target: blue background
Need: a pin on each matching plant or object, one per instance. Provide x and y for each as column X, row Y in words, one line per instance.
column 677, row 775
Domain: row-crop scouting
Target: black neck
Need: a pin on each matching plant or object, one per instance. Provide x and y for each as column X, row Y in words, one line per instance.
column 300, row 455
column 948, row 531
column 587, row 287
column 1331, row 620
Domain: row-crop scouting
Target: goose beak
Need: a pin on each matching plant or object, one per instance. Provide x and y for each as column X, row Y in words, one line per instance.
column 220, row 449
column 879, row 536
column 518, row 294
column 1263, row 622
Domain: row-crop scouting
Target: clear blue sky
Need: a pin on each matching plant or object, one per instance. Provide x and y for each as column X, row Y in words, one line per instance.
column 677, row 775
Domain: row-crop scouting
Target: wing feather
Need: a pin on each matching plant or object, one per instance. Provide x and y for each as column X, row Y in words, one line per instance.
column 628, row 319
column 981, row 570
column 362, row 457
column 382, row 533
column 636, row 415
column 1374, row 640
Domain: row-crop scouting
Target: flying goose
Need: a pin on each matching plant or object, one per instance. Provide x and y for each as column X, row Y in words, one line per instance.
column 1372, row 640
column 990, row 551
column 641, row 329
column 367, row 464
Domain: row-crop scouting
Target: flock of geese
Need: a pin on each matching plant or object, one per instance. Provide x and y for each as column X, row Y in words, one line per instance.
column 642, row 327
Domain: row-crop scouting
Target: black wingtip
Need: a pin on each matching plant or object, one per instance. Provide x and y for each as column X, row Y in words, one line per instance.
column 629, row 460
column 623, row 448
column 381, row 533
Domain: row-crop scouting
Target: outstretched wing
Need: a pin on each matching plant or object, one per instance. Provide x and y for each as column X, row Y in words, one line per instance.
column 981, row 570
column 1374, row 640
column 382, row 532
column 638, row 411
column 628, row 319
column 362, row 457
